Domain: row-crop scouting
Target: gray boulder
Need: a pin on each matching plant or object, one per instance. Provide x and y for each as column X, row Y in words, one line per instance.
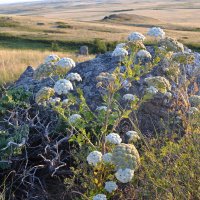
column 153, row 115
column 84, row 50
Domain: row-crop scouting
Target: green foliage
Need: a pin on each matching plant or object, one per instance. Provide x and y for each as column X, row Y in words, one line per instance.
column 170, row 169
column 55, row 46
column 99, row 46
column 12, row 98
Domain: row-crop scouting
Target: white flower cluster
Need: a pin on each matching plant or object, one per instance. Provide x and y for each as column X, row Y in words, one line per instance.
column 110, row 186
column 193, row 110
column 44, row 94
column 65, row 101
column 135, row 36
column 63, row 86
column 129, row 97
column 156, row 32
column 65, row 64
column 152, row 90
column 100, row 197
column 94, row 158
column 144, row 54
column 51, row 58
column 54, row 100
column 121, row 45
column 126, row 84
column 132, row 136
column 107, row 157
column 74, row 77
column 124, row 175
column 120, row 52
column 74, row 118
column 113, row 138
column 100, row 108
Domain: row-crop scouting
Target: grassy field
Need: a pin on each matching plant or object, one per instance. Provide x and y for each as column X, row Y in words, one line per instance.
column 14, row 62
column 32, row 28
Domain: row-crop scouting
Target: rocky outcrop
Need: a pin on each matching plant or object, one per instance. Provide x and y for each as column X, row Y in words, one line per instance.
column 153, row 115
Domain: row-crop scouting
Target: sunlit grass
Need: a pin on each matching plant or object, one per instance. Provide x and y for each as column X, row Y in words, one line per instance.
column 14, row 62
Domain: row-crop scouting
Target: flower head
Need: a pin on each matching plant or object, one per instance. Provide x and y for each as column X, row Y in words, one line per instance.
column 51, row 58
column 113, row 138
column 74, row 118
column 135, row 36
column 144, row 54
column 44, row 94
column 74, row 77
column 124, row 175
column 100, row 197
column 152, row 90
column 107, row 157
column 63, row 86
column 54, row 100
column 121, row 45
column 100, row 108
column 94, row 158
column 125, row 156
column 120, row 52
column 129, row 97
column 64, row 65
column 110, row 186
column 65, row 101
column 132, row 136
column 156, row 32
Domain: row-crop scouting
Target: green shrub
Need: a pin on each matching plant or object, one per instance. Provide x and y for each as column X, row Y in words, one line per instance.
column 170, row 169
column 99, row 46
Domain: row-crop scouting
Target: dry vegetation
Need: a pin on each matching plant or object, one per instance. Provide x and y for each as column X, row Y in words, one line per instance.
column 14, row 62
column 71, row 24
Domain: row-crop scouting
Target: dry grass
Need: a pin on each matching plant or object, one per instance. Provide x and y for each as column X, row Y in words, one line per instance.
column 14, row 62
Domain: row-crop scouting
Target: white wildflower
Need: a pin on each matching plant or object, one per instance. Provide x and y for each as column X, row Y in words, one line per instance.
column 113, row 138
column 100, row 197
column 100, row 108
column 121, row 45
column 74, row 118
column 144, row 54
column 63, row 86
column 94, row 158
column 51, row 58
column 126, row 84
column 74, row 77
column 65, row 101
column 132, row 136
column 168, row 95
column 65, row 64
column 54, row 100
column 110, row 186
column 135, row 36
column 107, row 157
column 156, row 32
column 129, row 97
column 124, row 175
column 152, row 90
column 120, row 52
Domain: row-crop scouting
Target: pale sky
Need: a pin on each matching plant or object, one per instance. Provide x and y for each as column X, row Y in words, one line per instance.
column 15, row 1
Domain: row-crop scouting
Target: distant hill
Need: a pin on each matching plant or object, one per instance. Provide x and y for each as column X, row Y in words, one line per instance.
column 131, row 19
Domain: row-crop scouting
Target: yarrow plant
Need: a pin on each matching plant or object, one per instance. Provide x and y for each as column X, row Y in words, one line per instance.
column 113, row 138
column 63, row 86
column 105, row 159
column 51, row 58
column 156, row 32
column 74, row 77
column 135, row 36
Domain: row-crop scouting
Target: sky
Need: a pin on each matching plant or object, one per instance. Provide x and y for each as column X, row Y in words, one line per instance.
column 15, row 1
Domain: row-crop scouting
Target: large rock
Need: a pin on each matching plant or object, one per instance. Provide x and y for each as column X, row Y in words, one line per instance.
column 153, row 116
